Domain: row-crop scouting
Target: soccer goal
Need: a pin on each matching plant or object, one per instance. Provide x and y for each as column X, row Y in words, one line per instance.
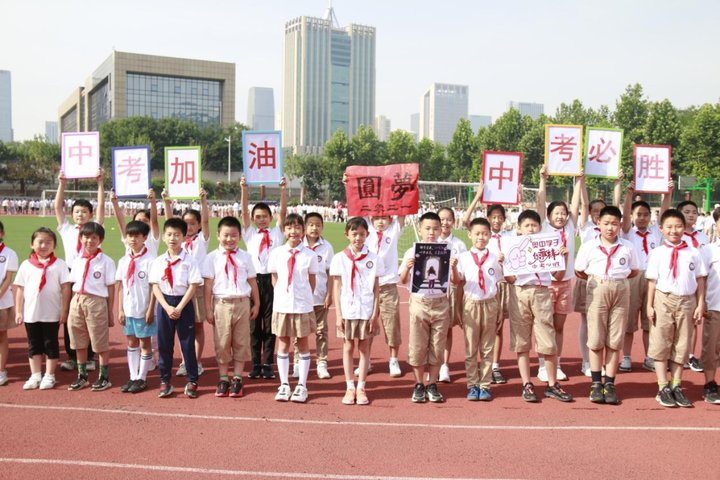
column 47, row 200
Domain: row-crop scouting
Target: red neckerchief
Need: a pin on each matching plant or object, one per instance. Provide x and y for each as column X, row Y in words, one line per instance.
column 314, row 247
column 644, row 236
column 168, row 271
column 674, row 257
column 609, row 256
column 692, row 236
column 131, row 267
column 189, row 242
column 349, row 254
column 88, row 259
column 291, row 265
column 380, row 237
column 497, row 237
column 479, row 262
column 35, row 261
column 2, row 247
column 78, row 246
column 265, row 242
column 229, row 260
column 563, row 237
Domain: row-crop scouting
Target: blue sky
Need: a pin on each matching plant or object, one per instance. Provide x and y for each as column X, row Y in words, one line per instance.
column 539, row 51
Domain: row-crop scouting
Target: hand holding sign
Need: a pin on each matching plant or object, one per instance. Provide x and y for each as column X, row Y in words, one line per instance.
column 516, row 257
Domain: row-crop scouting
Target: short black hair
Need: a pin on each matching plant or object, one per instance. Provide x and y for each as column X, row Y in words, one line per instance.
column 639, row 204
column 355, row 223
column 194, row 213
column 92, row 228
column 429, row 216
column 686, row 203
column 2, row 227
column 529, row 215
column 84, row 204
column 555, row 204
column 483, row 222
column 595, row 202
column 261, row 206
column 177, row 224
column 46, row 231
column 293, row 219
column 611, row 210
column 145, row 212
column 448, row 209
column 310, row 215
column 716, row 214
column 493, row 207
column 672, row 213
column 136, row 227
column 230, row 222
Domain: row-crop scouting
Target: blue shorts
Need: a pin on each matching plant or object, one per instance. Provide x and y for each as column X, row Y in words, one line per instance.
column 137, row 328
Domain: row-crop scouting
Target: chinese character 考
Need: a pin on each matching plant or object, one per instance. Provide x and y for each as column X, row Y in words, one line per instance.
column 263, row 156
column 598, row 153
column 651, row 167
column 368, row 187
column 79, row 151
column 564, row 146
column 183, row 171
column 402, row 185
column 131, row 167
column 498, row 173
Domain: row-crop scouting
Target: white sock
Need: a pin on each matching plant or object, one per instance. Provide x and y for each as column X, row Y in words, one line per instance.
column 145, row 362
column 558, row 363
column 361, row 385
column 304, row 365
column 495, row 366
column 283, row 363
column 541, row 362
column 133, row 356
column 350, row 384
column 393, row 359
column 627, row 356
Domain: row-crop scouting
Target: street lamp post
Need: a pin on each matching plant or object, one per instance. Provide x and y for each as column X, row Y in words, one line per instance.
column 229, row 140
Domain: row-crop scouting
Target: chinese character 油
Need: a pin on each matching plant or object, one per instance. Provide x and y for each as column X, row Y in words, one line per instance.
column 263, row 156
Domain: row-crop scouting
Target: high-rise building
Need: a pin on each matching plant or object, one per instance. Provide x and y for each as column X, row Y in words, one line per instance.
column 51, row 132
column 442, row 106
column 415, row 124
column 329, row 81
column 6, row 130
column 261, row 109
column 132, row 84
column 526, row 108
column 382, row 127
column 480, row 121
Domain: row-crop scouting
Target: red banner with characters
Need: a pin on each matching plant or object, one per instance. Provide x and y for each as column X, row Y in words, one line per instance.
column 381, row 191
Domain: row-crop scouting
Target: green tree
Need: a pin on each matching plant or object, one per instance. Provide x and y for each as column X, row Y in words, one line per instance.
column 532, row 146
column 367, row 149
column 462, row 151
column 32, row 162
column 662, row 126
column 432, row 161
column 700, row 143
column 400, row 147
column 337, row 154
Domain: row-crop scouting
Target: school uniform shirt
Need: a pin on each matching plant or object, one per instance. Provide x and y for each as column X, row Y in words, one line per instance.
column 253, row 239
column 495, row 242
column 615, row 262
column 8, row 266
column 455, row 245
column 680, row 277
column 567, row 233
column 588, row 231
column 230, row 272
column 696, row 239
column 470, row 272
column 293, row 296
column 385, row 245
column 643, row 242
column 70, row 235
column 324, row 252
column 711, row 256
column 357, row 296
column 152, row 244
column 196, row 246
column 409, row 255
column 100, row 275
column 136, row 283
column 42, row 305
column 184, row 273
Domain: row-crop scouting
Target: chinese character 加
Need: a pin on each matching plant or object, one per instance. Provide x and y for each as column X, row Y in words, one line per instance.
column 499, row 173
column 598, row 152
column 565, row 146
column 402, row 185
column 651, row 167
column 368, row 187
column 263, row 156
column 79, row 151
column 185, row 170
column 132, row 167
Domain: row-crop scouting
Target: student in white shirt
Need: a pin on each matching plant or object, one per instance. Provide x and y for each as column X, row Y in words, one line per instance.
column 149, row 217
column 8, row 267
column 711, row 325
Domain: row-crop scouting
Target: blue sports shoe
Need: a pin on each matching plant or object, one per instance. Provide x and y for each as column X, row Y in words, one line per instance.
column 484, row 395
column 474, row 394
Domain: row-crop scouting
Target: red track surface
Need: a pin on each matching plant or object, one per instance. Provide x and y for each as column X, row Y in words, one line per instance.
column 114, row 435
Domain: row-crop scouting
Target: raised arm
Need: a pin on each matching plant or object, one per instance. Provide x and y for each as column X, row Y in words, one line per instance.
column 283, row 202
column 666, row 198
column 167, row 203
column 575, row 201
column 627, row 207
column 60, row 199
column 468, row 216
column 540, row 204
column 119, row 215
column 154, row 224
column 244, row 208
column 204, row 215
column 100, row 212
column 584, row 200
column 617, row 191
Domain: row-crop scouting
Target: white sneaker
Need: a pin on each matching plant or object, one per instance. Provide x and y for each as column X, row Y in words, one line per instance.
column 444, row 375
column 153, row 364
column 300, row 394
column 560, row 375
column 296, row 371
column 625, row 365
column 33, row 382
column 322, row 371
column 201, row 370
column 649, row 364
column 283, row 394
column 91, row 366
column 181, row 371
column 585, row 368
column 394, row 367
column 357, row 370
column 3, row 377
column 542, row 374
column 48, row 382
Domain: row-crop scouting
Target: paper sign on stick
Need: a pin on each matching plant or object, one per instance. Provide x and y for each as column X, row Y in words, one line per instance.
column 501, row 177
column 262, row 157
column 131, row 171
column 652, row 168
column 532, row 254
column 385, row 190
column 603, row 149
column 80, row 154
column 431, row 271
column 183, row 172
column 562, row 149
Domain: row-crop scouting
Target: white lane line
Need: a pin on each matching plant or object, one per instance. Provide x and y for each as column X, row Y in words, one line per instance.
column 341, row 423
column 207, row 471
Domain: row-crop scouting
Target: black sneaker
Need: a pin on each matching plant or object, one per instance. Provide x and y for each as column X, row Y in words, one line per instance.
column 138, row 386
column 191, row 390
column 101, row 384
column 433, row 394
column 127, row 386
column 79, row 384
column 680, row 399
column 596, row 393
column 166, row 389
column 694, row 364
column 497, row 377
column 710, row 393
column 267, row 371
column 528, row 393
column 665, row 397
column 236, row 387
column 419, row 395
column 558, row 393
column 255, row 372
column 610, row 394
column 222, row 388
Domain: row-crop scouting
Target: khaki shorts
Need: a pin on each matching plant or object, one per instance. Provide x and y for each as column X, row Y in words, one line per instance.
column 390, row 314
column 232, row 329
column 480, row 328
column 503, row 301
column 580, row 295
column 561, row 294
column 455, row 297
column 711, row 341
column 671, row 335
column 357, row 329
column 7, row 319
column 429, row 323
column 638, row 304
column 531, row 313
column 88, row 323
column 607, row 309
column 199, row 304
column 298, row 325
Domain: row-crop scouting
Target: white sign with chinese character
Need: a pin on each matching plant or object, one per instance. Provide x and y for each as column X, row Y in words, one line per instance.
column 501, row 177
column 183, row 179
column 532, row 254
column 562, row 149
column 131, row 171
column 80, row 154
column 603, row 149
column 652, row 168
column 262, row 157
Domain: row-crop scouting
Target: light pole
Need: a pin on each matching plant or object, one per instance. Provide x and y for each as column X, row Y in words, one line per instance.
column 229, row 140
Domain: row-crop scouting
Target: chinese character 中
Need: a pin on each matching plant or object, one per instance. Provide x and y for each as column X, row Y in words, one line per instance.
column 598, row 152
column 131, row 167
column 565, row 146
column 402, row 185
column 263, row 156
column 185, row 170
column 368, row 187
column 651, row 167
column 498, row 173
column 79, row 151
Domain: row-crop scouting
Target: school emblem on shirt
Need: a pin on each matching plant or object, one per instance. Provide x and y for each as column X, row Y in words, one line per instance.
column 388, row 240
column 3, row 259
column 369, row 264
column 141, row 275
column 97, row 275
column 692, row 266
column 652, row 244
column 319, row 258
column 622, row 261
column 491, row 271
